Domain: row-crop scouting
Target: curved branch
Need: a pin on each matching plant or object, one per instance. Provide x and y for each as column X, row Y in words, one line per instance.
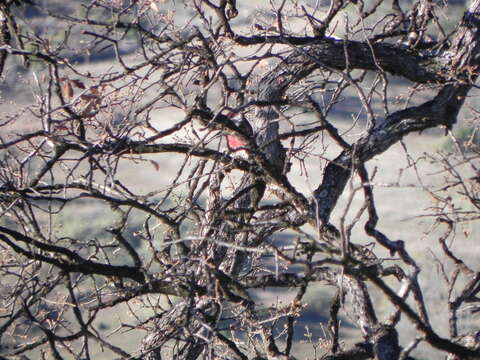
column 336, row 54
column 442, row 110
column 67, row 260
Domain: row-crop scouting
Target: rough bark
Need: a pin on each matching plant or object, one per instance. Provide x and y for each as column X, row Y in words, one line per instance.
column 456, row 66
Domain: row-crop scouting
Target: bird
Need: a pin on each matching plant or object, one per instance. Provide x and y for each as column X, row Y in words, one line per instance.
column 238, row 142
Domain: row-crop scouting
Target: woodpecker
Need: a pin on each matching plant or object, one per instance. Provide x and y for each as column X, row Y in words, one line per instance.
column 236, row 142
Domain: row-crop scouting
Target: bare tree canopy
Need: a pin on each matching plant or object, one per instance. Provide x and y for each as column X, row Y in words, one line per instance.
column 169, row 168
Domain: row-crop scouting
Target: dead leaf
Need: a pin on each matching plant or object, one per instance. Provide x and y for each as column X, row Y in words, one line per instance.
column 66, row 88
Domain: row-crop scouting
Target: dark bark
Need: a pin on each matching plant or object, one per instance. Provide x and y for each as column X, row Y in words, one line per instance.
column 440, row 111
